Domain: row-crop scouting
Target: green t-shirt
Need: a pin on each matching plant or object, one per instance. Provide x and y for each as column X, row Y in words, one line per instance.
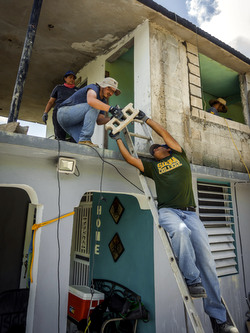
column 173, row 180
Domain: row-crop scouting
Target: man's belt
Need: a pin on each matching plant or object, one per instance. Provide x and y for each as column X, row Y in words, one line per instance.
column 189, row 209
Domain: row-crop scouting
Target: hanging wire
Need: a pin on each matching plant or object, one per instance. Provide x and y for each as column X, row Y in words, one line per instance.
column 58, row 243
column 115, row 168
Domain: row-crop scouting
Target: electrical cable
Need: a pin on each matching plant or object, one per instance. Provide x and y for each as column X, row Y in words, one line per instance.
column 115, row 168
column 58, row 243
column 93, row 254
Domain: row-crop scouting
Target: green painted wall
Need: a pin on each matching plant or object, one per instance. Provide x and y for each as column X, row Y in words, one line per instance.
column 135, row 267
column 123, row 71
column 218, row 80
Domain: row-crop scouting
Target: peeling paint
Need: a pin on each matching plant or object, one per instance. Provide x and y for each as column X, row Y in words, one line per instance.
column 99, row 45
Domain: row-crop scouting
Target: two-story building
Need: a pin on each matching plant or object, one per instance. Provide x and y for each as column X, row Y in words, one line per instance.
column 170, row 69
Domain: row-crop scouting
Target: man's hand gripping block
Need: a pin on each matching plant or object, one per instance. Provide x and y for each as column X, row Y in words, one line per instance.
column 129, row 113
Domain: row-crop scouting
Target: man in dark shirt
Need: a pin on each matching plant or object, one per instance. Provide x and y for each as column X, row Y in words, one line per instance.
column 170, row 170
column 59, row 94
column 79, row 113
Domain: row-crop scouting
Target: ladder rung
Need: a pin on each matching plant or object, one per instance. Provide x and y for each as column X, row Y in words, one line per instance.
column 142, row 154
column 139, row 136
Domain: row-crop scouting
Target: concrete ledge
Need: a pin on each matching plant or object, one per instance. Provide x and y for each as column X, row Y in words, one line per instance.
column 203, row 115
column 27, row 145
column 220, row 173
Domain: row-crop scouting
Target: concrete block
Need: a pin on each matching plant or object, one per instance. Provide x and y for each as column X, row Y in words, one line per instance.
column 238, row 166
column 225, row 164
column 193, row 59
column 196, row 102
column 193, row 69
column 197, row 158
column 244, row 128
column 196, row 134
column 129, row 113
column 196, row 91
column 196, row 146
column 210, row 161
column 191, row 48
column 195, row 112
column 193, row 79
column 174, row 116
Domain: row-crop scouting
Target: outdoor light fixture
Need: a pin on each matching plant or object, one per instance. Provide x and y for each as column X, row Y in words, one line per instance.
column 66, row 165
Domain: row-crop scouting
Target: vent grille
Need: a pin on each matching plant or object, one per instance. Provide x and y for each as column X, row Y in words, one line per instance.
column 80, row 250
column 216, row 213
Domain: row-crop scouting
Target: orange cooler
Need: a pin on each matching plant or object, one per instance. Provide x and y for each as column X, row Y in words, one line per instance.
column 80, row 301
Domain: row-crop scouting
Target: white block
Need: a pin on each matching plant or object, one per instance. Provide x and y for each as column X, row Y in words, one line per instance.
column 116, row 125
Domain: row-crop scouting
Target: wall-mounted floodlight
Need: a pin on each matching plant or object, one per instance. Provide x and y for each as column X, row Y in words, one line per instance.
column 66, row 165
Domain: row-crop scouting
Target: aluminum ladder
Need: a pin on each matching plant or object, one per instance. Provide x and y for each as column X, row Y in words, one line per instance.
column 187, row 299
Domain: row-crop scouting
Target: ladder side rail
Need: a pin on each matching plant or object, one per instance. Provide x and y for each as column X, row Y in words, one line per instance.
column 187, row 299
column 188, row 302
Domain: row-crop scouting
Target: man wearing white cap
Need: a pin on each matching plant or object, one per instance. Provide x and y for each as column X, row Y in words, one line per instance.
column 79, row 113
column 217, row 105
column 171, row 172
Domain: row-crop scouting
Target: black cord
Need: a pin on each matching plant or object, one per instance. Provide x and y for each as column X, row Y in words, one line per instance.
column 97, row 228
column 115, row 168
column 58, row 244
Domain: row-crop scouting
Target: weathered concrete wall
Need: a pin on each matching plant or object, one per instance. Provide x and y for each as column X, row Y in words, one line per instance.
column 169, row 84
column 177, row 104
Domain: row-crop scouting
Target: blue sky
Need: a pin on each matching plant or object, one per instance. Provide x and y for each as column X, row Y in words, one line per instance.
column 227, row 20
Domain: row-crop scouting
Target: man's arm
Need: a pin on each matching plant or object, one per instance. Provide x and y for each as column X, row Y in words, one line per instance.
column 136, row 162
column 50, row 104
column 95, row 103
column 48, row 107
column 102, row 119
column 169, row 140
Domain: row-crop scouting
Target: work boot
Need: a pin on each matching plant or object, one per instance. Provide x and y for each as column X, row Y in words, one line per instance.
column 223, row 328
column 88, row 143
column 197, row 290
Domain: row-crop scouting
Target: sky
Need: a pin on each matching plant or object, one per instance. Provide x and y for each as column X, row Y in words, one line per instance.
column 227, row 20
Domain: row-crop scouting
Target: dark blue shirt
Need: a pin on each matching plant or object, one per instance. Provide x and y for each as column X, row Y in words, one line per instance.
column 81, row 96
column 61, row 93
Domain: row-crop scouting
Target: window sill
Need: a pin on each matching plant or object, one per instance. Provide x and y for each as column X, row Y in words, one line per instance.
column 205, row 116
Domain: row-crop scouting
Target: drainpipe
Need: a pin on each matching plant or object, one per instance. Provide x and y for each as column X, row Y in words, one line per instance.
column 24, row 62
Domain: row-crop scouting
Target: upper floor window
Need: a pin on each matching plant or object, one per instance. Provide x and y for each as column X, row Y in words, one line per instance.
column 218, row 81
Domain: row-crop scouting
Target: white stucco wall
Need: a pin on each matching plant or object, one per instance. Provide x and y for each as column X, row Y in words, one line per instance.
column 35, row 169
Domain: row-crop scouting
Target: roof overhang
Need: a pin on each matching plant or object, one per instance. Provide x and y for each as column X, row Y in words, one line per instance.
column 70, row 34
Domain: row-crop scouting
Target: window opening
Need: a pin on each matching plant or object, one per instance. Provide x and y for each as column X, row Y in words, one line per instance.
column 220, row 81
column 216, row 212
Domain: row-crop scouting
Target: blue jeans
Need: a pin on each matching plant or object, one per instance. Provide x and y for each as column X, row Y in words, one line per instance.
column 190, row 244
column 78, row 120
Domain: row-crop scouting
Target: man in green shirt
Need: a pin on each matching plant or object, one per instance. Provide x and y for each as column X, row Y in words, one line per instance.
column 171, row 173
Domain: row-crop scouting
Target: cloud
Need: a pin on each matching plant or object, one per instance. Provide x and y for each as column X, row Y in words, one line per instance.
column 202, row 10
column 242, row 44
column 227, row 20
